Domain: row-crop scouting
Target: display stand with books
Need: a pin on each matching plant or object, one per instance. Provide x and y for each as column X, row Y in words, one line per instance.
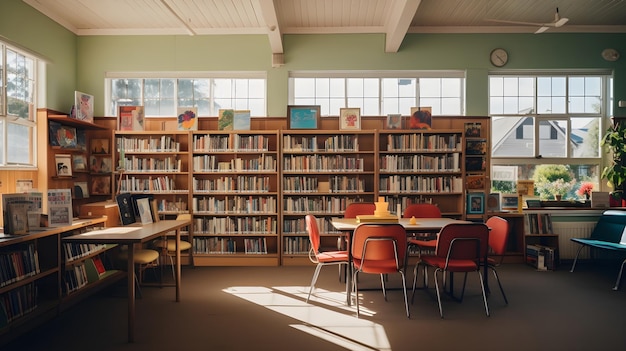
column 542, row 245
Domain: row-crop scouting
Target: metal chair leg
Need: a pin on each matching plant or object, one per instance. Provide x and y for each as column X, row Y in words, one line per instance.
column 313, row 280
column 619, row 276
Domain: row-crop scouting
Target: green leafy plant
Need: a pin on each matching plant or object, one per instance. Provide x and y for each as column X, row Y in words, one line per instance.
column 614, row 141
column 551, row 180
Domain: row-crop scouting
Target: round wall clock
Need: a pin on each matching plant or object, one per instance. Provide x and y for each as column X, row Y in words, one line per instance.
column 499, row 57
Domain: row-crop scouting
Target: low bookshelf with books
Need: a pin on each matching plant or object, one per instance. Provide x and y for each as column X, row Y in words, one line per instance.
column 542, row 244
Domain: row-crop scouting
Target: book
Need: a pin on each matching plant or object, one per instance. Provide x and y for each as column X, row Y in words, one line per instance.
column 225, row 119
column 125, row 206
column 59, row 207
column 81, row 190
column 241, row 120
column 18, row 209
column 421, row 118
column 63, row 165
column 394, row 121
column 143, row 207
column 131, row 118
column 187, row 118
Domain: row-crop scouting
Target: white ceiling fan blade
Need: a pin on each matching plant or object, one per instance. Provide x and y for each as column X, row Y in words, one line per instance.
column 541, row 29
column 561, row 22
column 515, row 22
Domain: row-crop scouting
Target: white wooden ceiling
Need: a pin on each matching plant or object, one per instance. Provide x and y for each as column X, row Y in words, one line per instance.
column 274, row 18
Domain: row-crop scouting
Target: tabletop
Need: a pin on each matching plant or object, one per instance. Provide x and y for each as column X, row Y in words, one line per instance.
column 421, row 224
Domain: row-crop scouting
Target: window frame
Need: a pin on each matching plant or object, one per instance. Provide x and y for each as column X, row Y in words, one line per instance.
column 30, row 121
column 176, row 76
column 328, row 110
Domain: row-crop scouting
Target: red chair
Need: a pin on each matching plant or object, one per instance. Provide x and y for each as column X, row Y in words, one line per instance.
column 321, row 259
column 379, row 249
column 460, row 249
column 422, row 211
column 498, row 236
column 359, row 208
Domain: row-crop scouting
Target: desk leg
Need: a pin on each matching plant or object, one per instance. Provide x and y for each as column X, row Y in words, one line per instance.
column 178, row 264
column 131, row 293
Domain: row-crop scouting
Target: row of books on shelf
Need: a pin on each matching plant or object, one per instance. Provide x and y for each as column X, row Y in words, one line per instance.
column 17, row 302
column 337, row 143
column 212, row 163
column 152, row 164
column 16, row 265
column 235, row 225
column 298, row 225
column 538, row 223
column 542, row 257
column 164, row 143
column 257, row 246
column 79, row 275
column 420, row 163
column 74, row 251
column 430, row 184
column 235, row 204
column 296, row 245
column 419, row 141
column 141, row 184
column 322, row 163
column 230, row 143
column 215, row 245
column 232, row 184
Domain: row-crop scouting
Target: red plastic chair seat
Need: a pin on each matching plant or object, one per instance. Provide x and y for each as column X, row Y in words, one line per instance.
column 453, row 265
column 332, row 256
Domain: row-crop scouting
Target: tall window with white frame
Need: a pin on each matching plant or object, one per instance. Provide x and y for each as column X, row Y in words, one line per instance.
column 547, row 128
column 17, row 108
column 379, row 94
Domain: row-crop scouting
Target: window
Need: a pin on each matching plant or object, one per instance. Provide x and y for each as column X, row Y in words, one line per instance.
column 552, row 120
column 17, row 109
column 379, row 93
column 161, row 96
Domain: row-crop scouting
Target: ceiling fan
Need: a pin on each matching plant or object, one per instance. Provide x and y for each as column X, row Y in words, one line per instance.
column 558, row 22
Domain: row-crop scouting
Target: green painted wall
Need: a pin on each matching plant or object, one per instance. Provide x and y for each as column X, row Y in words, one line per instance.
column 80, row 63
column 31, row 30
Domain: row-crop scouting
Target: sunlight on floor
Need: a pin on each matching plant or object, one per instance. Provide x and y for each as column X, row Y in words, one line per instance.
column 326, row 317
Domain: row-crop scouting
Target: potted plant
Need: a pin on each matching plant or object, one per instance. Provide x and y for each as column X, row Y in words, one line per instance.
column 614, row 141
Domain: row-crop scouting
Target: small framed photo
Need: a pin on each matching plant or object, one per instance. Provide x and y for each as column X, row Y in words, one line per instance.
column 101, row 185
column 394, row 121
column 475, row 182
column 303, row 117
column 83, row 106
column 421, row 118
column 81, row 190
column 472, row 130
column 130, row 118
column 350, row 118
column 100, row 147
column 144, row 209
column 63, row 165
column 79, row 163
column 509, row 202
column 475, row 203
column 493, row 202
column 476, row 147
column 99, row 164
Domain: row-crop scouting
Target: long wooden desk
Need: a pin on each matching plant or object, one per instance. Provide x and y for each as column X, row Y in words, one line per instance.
column 422, row 225
column 129, row 236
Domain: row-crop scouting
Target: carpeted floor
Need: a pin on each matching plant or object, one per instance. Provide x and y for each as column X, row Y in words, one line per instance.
column 263, row 308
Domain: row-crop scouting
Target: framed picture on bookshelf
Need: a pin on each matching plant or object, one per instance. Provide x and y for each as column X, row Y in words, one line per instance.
column 493, row 202
column 187, row 118
column 350, row 118
column 475, row 203
column 99, row 164
column 474, row 182
column 100, row 147
column 476, row 147
column 79, row 163
column 101, row 185
column 63, row 165
column 472, row 130
column 83, row 106
column 421, row 118
column 62, row 136
column 241, row 120
column 130, row 118
column 303, row 117
column 225, row 119
column 509, row 202
column 394, row 121
column 474, row 163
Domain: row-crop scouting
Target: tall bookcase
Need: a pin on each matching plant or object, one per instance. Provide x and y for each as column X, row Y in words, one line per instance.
column 236, row 198
column 155, row 164
column 422, row 166
column 322, row 172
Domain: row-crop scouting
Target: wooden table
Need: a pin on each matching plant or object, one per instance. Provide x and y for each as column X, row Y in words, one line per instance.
column 129, row 236
column 422, row 225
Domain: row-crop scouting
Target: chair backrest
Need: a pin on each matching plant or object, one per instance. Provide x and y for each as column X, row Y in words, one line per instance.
column 359, row 208
column 422, row 211
column 314, row 233
column 379, row 246
column 498, row 234
column 610, row 226
column 463, row 241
